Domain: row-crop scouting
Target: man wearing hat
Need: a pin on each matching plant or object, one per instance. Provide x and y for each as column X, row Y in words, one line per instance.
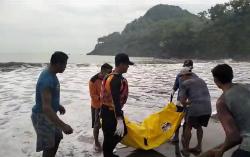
column 194, row 92
column 114, row 94
column 189, row 64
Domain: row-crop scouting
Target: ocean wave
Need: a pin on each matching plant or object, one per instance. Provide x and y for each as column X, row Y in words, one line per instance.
column 10, row 66
column 82, row 65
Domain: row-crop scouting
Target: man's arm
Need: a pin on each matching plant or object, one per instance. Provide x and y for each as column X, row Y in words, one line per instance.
column 115, row 86
column 183, row 96
column 233, row 137
column 48, row 111
column 232, row 133
column 176, row 83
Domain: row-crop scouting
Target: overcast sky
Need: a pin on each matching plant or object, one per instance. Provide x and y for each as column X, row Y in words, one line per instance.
column 43, row 26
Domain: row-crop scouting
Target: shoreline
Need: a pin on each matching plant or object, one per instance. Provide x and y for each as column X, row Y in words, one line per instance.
column 180, row 59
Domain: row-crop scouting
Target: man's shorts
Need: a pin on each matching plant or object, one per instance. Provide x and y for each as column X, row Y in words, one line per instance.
column 48, row 135
column 95, row 114
column 198, row 121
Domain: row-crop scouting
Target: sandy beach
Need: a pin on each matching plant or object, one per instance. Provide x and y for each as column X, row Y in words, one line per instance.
column 213, row 135
column 149, row 85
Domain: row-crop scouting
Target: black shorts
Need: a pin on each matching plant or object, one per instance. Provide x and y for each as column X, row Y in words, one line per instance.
column 198, row 121
column 241, row 153
column 95, row 114
column 179, row 109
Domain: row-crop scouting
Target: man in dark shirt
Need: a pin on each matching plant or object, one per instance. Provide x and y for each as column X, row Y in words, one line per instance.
column 114, row 94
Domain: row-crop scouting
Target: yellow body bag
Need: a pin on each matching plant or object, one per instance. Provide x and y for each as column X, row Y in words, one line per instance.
column 155, row 130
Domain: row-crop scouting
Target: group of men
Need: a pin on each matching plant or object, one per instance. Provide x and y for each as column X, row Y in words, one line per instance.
column 109, row 92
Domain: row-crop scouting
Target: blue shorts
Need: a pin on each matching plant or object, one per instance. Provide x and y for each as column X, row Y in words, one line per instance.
column 48, row 135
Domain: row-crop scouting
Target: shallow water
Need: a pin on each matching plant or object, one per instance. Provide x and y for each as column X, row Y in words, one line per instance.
column 150, row 83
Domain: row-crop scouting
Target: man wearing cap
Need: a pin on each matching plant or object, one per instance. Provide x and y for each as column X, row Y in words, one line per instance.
column 95, row 84
column 189, row 64
column 194, row 92
column 114, row 94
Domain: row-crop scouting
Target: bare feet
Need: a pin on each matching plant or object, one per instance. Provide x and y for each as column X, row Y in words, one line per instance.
column 185, row 153
column 196, row 150
column 97, row 147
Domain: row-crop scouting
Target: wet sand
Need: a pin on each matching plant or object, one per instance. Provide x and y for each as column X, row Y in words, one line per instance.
column 213, row 136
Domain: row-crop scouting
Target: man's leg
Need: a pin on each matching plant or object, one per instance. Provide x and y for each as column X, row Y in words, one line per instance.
column 52, row 152
column 175, row 139
column 176, row 136
column 199, row 122
column 186, row 139
column 108, row 127
column 96, row 138
column 107, row 145
column 96, row 129
column 183, row 130
column 48, row 136
column 199, row 138
column 198, row 148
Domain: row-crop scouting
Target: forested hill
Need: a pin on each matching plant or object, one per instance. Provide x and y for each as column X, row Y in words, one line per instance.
column 169, row 31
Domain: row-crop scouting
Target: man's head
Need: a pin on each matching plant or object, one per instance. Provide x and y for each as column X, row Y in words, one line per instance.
column 106, row 69
column 188, row 63
column 185, row 73
column 122, row 62
column 223, row 74
column 59, row 61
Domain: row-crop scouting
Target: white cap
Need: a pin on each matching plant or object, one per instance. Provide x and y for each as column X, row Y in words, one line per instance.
column 185, row 70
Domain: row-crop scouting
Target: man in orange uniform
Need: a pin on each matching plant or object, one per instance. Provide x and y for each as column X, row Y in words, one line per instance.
column 95, row 84
column 114, row 95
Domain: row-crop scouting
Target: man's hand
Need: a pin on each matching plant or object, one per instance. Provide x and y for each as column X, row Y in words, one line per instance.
column 67, row 129
column 62, row 109
column 119, row 128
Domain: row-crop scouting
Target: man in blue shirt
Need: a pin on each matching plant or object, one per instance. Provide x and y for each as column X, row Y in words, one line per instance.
column 47, row 124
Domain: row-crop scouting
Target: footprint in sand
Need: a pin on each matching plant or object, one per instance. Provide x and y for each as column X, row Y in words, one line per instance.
column 28, row 133
column 85, row 139
column 16, row 108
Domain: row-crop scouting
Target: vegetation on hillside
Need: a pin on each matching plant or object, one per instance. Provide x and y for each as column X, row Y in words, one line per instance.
column 168, row 31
